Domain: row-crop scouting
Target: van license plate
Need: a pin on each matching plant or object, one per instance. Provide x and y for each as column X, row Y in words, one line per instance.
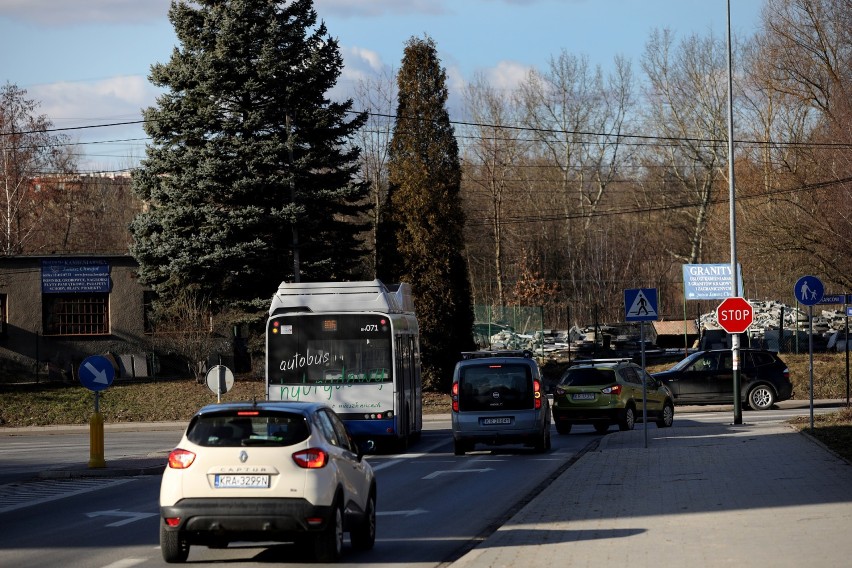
column 493, row 421
column 583, row 396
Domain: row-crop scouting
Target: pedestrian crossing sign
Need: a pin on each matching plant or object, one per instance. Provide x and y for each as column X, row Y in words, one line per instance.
column 640, row 304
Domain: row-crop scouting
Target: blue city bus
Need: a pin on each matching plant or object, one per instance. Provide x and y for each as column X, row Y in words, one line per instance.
column 354, row 346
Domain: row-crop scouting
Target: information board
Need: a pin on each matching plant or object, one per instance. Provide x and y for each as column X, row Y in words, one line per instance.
column 75, row 276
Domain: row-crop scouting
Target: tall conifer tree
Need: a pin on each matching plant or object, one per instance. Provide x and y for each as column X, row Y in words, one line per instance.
column 248, row 164
column 425, row 214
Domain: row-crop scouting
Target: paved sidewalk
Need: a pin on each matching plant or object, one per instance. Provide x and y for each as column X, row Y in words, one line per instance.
column 698, row 495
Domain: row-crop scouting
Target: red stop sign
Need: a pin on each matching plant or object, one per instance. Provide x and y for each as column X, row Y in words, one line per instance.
column 734, row 315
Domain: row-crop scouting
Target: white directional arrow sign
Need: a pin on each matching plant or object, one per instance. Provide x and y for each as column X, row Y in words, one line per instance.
column 99, row 374
column 96, row 373
column 127, row 516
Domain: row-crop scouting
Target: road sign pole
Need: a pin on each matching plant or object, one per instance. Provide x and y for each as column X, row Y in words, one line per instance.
column 644, row 382
column 811, row 358
column 846, row 305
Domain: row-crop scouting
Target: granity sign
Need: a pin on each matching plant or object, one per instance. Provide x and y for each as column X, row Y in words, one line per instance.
column 74, row 276
column 709, row 281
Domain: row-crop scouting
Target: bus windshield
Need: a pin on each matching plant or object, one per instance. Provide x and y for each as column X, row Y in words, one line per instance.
column 323, row 349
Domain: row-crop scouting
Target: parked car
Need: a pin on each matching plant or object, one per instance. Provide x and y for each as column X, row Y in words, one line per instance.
column 497, row 398
column 604, row 392
column 707, row 377
column 267, row 471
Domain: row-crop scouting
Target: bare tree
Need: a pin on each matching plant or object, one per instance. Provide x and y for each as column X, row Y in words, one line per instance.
column 186, row 328
column 376, row 96
column 491, row 163
column 687, row 110
column 808, row 44
column 577, row 115
column 33, row 167
column 800, row 83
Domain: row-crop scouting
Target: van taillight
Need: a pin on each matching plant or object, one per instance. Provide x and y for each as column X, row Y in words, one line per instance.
column 537, row 393
column 455, row 397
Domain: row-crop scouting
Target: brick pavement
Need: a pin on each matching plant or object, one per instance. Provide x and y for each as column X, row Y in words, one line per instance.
column 698, row 496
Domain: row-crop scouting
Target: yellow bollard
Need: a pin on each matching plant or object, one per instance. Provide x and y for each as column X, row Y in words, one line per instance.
column 96, row 441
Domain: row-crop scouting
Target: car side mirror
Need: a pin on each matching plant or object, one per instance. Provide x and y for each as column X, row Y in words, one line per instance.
column 366, row 447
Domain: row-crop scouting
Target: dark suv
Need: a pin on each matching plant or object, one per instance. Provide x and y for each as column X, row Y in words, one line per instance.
column 497, row 398
column 707, row 377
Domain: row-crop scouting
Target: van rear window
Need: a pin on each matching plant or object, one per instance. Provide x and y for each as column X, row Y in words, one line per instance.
column 495, row 387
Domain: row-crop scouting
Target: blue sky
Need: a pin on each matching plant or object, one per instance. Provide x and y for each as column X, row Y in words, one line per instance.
column 87, row 61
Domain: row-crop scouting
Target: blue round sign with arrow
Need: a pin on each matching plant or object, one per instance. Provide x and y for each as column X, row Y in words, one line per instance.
column 96, row 373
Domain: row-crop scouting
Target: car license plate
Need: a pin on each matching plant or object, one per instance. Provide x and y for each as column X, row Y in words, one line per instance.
column 225, row 481
column 583, row 396
column 495, row 421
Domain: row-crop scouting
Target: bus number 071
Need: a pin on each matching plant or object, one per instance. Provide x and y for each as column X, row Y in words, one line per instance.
column 370, row 327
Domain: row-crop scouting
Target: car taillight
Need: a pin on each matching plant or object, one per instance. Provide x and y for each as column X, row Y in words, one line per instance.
column 614, row 389
column 312, row 458
column 787, row 373
column 181, row 459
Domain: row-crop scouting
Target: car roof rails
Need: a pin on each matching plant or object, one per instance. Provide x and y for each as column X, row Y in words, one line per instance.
column 597, row 361
column 525, row 353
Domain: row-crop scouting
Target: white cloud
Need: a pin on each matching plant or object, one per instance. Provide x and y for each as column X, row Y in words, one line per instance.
column 507, row 75
column 72, row 12
column 357, row 57
column 92, row 112
column 95, row 102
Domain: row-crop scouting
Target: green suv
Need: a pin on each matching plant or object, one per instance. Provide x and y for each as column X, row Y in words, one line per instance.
column 602, row 392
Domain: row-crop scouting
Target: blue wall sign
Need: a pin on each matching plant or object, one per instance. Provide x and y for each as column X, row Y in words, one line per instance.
column 75, row 276
column 96, row 373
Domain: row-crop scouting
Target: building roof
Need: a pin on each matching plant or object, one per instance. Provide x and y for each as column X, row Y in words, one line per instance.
column 676, row 327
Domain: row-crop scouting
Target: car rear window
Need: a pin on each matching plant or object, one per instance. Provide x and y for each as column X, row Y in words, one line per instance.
column 495, row 387
column 588, row 377
column 260, row 429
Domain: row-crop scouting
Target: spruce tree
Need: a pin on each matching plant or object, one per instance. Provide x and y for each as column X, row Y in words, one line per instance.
column 249, row 163
column 425, row 214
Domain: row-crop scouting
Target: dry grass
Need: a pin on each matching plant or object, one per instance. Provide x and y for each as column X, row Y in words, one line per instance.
column 176, row 399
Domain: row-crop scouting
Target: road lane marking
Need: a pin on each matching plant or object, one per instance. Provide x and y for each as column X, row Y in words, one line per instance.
column 15, row 496
column 435, row 474
column 128, row 516
column 408, row 513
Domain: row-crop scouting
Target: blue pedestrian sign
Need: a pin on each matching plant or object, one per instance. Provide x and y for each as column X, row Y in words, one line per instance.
column 809, row 290
column 96, row 373
column 640, row 304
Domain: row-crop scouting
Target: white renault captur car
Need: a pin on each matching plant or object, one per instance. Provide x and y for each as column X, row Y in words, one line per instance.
column 267, row 471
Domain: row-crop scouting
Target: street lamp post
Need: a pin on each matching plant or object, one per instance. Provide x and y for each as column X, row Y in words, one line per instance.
column 735, row 338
